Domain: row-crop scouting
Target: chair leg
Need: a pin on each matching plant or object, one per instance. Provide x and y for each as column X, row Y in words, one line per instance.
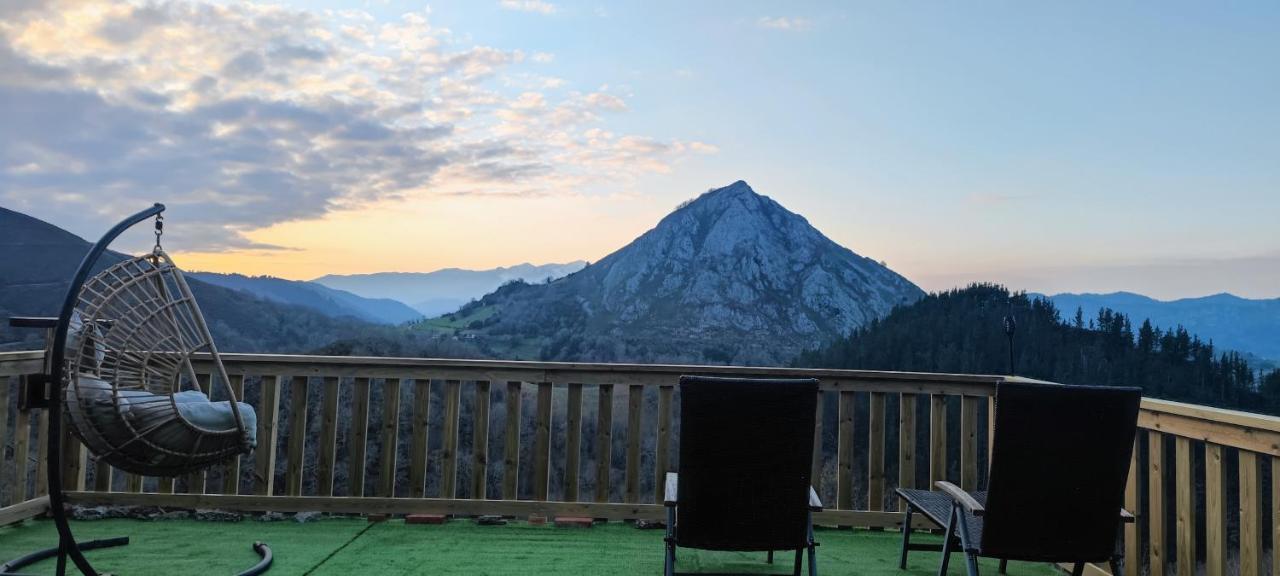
column 962, row 528
column 946, row 542
column 1004, row 566
column 1078, row 569
column 906, row 538
column 669, row 563
column 769, row 559
column 813, row 550
column 799, row 561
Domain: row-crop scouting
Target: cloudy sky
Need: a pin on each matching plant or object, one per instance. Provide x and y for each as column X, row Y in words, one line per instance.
column 1070, row 146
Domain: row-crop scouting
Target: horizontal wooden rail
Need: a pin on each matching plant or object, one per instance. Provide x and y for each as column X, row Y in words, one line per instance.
column 24, row 510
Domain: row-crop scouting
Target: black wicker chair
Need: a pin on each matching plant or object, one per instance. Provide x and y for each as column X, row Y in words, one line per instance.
column 1059, row 462
column 746, row 447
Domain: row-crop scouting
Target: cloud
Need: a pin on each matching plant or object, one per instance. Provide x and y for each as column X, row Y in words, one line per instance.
column 240, row 117
column 543, row 57
column 536, row 6
column 793, row 24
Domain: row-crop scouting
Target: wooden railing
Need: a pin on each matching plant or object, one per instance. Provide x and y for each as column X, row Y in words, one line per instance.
column 477, row 437
column 1178, row 487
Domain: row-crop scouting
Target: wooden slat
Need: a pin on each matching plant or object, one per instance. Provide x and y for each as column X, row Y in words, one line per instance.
column 101, row 475
column 24, row 510
column 458, row 507
column 604, row 441
column 5, row 383
column 231, row 469
column 875, row 452
column 969, row 442
column 264, row 470
column 542, row 443
column 296, row 456
column 42, row 452
column 844, row 453
column 1275, row 518
column 1133, row 503
column 937, row 439
column 1261, row 440
column 661, row 463
column 164, row 485
column 511, row 444
column 1186, row 507
column 815, row 472
column 419, row 443
column 991, row 429
column 906, row 443
column 75, row 460
column 328, row 457
column 358, row 436
column 635, row 411
column 132, row 483
column 1155, row 509
column 449, row 447
column 572, row 442
column 390, row 437
column 1251, row 514
column 21, row 456
column 1215, row 516
column 480, row 443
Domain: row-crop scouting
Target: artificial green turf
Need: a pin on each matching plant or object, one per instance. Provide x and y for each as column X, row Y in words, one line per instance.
column 460, row 547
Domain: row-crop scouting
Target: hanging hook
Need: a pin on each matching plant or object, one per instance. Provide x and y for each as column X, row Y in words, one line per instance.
column 159, row 232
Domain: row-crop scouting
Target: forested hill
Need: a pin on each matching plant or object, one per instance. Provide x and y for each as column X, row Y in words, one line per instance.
column 961, row 331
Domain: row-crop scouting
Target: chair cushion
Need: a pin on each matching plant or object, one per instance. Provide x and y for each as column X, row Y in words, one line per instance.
column 192, row 405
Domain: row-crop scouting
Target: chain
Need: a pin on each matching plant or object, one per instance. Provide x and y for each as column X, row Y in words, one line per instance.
column 159, row 231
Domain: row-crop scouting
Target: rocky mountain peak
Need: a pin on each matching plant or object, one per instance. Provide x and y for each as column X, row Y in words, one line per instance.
column 731, row 268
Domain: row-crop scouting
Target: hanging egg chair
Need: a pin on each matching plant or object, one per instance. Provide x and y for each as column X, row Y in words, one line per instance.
column 132, row 393
column 120, row 367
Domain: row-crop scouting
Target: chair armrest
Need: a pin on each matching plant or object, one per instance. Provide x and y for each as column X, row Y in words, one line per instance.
column 960, row 497
column 669, row 492
column 815, row 503
column 1127, row 517
column 32, row 322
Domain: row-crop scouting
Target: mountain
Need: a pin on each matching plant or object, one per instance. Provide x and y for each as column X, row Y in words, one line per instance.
column 328, row 301
column 37, row 260
column 730, row 277
column 1230, row 321
column 962, row 332
column 435, row 293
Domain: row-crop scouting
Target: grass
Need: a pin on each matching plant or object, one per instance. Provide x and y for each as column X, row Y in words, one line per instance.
column 347, row 546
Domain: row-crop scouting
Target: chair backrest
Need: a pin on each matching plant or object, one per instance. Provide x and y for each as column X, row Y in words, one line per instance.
column 746, row 447
column 1059, row 462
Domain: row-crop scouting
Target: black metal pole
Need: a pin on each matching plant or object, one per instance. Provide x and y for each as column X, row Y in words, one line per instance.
column 1010, row 326
column 66, row 542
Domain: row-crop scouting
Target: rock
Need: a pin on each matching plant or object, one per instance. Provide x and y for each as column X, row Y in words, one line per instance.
column 304, row 517
column 89, row 512
column 650, row 525
column 491, row 521
column 271, row 517
column 217, row 516
column 175, row 515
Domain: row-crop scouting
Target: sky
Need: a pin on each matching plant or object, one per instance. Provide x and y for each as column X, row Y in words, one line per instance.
column 1092, row 146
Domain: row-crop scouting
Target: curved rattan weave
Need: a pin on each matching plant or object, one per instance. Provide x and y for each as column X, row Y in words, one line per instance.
column 129, row 347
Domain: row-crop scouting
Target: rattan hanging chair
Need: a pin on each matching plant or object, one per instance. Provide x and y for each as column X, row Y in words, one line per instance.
column 132, row 393
column 121, row 366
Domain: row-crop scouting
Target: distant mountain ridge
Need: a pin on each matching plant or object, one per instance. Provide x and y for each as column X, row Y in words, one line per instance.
column 328, row 301
column 730, row 277
column 37, row 260
column 1231, row 322
column 445, row 290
